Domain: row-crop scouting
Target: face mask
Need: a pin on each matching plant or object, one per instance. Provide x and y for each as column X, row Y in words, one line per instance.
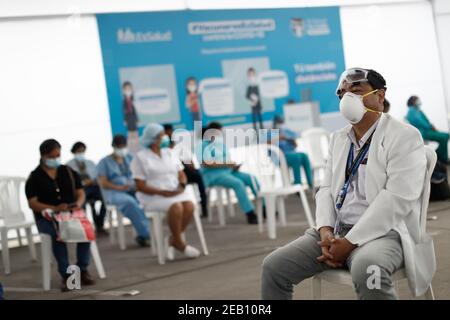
column 53, row 162
column 79, row 156
column 352, row 106
column 192, row 88
column 128, row 93
column 165, row 142
column 418, row 104
column 121, row 152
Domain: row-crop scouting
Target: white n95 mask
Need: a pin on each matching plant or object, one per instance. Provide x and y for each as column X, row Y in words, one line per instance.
column 352, row 106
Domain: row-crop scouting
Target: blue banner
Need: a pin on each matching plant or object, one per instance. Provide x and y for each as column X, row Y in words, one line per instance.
column 218, row 65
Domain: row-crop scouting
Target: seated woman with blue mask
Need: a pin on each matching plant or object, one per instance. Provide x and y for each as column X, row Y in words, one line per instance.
column 161, row 185
column 115, row 178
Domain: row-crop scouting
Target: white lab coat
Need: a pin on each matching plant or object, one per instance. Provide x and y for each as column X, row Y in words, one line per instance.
column 395, row 176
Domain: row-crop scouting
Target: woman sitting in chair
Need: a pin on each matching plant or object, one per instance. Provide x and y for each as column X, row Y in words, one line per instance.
column 161, row 183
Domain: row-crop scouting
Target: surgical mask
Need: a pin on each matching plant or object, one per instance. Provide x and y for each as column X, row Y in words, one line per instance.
column 128, row 93
column 122, row 152
column 53, row 162
column 192, row 88
column 352, row 106
column 252, row 80
column 79, row 156
column 418, row 104
column 165, row 142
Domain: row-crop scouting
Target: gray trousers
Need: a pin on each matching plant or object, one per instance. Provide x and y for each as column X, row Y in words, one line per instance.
column 289, row 265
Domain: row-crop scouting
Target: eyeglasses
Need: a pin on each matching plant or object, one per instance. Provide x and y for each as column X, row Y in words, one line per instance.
column 351, row 76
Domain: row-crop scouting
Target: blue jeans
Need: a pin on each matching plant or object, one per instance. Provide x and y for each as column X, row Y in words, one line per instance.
column 1, row 292
column 129, row 207
column 60, row 249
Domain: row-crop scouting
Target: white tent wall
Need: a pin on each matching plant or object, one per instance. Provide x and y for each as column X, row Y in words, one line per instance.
column 52, row 81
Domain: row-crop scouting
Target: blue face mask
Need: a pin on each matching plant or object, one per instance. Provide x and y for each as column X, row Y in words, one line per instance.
column 165, row 142
column 53, row 162
column 80, row 157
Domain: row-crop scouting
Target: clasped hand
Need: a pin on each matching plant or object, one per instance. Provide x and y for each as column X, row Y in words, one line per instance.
column 335, row 251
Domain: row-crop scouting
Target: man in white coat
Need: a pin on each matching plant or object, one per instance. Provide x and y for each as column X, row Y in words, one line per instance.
column 368, row 206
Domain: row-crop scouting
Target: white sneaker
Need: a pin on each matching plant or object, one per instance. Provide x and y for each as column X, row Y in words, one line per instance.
column 191, row 252
column 170, row 254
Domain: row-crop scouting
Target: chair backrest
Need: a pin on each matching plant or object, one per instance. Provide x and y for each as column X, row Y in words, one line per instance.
column 316, row 141
column 10, row 200
column 258, row 160
column 425, row 199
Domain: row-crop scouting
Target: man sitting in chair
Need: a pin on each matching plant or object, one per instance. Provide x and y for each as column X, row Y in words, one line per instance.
column 368, row 206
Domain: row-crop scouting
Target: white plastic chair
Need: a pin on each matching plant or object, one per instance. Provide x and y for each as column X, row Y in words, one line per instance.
column 316, row 143
column 46, row 257
column 274, row 183
column 12, row 217
column 218, row 197
column 343, row 277
column 159, row 246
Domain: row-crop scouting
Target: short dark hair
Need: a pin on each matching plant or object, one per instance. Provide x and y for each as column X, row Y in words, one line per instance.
column 215, row 125
column 77, row 146
column 48, row 146
column 251, row 69
column 126, row 83
column 168, row 127
column 119, row 140
column 386, row 105
column 412, row 101
column 376, row 80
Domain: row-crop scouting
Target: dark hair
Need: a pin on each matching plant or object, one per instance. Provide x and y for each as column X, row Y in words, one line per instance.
column 168, row 127
column 48, row 146
column 251, row 69
column 376, row 80
column 412, row 101
column 187, row 81
column 215, row 125
column 126, row 83
column 77, row 146
column 119, row 140
column 386, row 105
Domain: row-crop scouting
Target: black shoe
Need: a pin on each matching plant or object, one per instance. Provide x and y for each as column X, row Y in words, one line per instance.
column 141, row 241
column 252, row 218
column 102, row 232
column 64, row 287
column 87, row 279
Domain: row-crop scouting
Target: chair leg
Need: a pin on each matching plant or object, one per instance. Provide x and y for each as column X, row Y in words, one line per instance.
column 199, row 227
column 271, row 223
column 97, row 260
column 259, row 213
column 317, row 288
column 210, row 205
column 231, row 210
column 157, row 231
column 19, row 237
column 121, row 232
column 112, row 235
column 305, row 205
column 220, row 207
column 281, row 211
column 31, row 245
column 429, row 294
column 46, row 260
column 5, row 250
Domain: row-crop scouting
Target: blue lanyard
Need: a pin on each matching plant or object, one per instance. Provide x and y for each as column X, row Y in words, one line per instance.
column 351, row 169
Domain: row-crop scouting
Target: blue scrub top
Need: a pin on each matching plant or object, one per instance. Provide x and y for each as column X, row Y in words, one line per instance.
column 284, row 145
column 213, row 151
column 117, row 174
column 418, row 119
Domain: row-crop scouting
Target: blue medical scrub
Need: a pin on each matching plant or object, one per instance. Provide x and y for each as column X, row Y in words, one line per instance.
column 418, row 119
column 295, row 160
column 120, row 174
column 225, row 177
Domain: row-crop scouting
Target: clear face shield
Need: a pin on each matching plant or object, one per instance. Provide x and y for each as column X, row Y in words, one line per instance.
column 350, row 77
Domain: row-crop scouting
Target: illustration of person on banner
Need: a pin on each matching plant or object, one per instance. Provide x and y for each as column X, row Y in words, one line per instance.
column 192, row 99
column 254, row 98
column 130, row 116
